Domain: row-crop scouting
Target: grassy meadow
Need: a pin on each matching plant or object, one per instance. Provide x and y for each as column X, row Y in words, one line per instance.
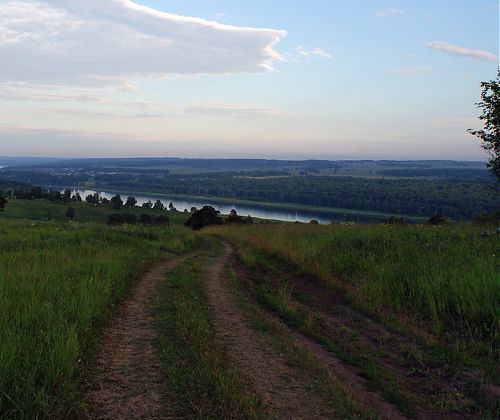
column 85, row 213
column 443, row 280
column 58, row 285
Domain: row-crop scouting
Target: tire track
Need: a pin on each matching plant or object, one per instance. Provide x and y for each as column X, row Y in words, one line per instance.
column 127, row 380
column 279, row 386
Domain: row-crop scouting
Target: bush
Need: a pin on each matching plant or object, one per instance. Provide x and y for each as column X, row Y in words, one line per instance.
column 204, row 217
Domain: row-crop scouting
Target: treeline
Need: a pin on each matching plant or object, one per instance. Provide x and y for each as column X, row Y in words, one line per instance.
column 453, row 198
column 448, row 173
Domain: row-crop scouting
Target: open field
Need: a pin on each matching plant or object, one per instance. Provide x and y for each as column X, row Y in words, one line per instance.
column 41, row 210
column 412, row 312
column 443, row 279
column 58, row 284
column 365, row 321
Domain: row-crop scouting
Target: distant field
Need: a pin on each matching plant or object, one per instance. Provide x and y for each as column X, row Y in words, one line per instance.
column 444, row 280
column 58, row 284
column 85, row 213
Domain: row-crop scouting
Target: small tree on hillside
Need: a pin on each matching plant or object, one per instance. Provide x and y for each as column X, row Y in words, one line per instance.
column 158, row 205
column 437, row 219
column 67, row 195
column 70, row 213
column 490, row 134
column 131, row 202
column 147, row 205
column 204, row 217
column 116, row 202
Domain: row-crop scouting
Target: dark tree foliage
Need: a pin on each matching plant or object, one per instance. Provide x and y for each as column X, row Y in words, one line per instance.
column 146, row 219
column 147, row 205
column 490, row 134
column 234, row 218
column 70, row 213
column 131, row 202
column 117, row 219
column 3, row 203
column 116, row 202
column 67, row 195
column 92, row 199
column 158, row 205
column 206, row 216
column 437, row 219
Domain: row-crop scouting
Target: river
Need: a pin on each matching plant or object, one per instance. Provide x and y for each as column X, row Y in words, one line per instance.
column 254, row 210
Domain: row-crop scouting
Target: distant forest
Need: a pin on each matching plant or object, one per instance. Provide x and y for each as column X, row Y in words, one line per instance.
column 453, row 197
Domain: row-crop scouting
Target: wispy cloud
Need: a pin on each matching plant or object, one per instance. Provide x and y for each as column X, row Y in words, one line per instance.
column 78, row 41
column 302, row 54
column 238, row 111
column 411, row 71
column 462, row 52
column 388, row 12
column 313, row 53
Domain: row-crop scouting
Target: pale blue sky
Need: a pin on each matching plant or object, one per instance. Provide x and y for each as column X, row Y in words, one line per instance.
column 348, row 79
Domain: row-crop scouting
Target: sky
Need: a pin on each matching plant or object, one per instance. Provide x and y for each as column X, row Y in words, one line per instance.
column 285, row 79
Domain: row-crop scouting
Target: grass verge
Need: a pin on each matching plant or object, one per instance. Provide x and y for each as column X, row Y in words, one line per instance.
column 59, row 283
column 196, row 369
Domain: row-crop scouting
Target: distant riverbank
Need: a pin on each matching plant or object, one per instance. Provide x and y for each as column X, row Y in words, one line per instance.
column 263, row 210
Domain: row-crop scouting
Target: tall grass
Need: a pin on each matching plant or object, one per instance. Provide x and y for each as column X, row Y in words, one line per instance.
column 196, row 367
column 58, row 283
column 447, row 278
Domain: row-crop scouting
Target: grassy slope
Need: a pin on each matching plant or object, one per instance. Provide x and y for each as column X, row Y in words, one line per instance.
column 58, row 284
column 39, row 210
column 444, row 279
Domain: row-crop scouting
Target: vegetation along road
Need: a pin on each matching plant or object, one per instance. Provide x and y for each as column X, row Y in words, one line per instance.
column 268, row 321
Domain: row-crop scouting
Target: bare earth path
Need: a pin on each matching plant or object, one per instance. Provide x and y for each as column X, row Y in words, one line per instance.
column 127, row 379
column 278, row 385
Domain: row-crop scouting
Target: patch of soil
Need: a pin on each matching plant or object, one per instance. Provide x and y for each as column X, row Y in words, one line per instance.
column 278, row 385
column 127, row 380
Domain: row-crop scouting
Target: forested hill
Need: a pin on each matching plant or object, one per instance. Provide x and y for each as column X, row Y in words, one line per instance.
column 453, row 197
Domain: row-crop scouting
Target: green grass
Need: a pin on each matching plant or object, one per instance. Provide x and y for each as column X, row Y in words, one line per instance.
column 58, row 285
column 337, row 398
column 278, row 299
column 443, row 279
column 196, row 368
column 85, row 213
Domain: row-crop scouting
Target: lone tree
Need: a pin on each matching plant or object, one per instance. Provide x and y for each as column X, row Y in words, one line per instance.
column 70, row 213
column 116, row 202
column 490, row 134
column 3, row 202
column 131, row 202
column 204, row 217
column 158, row 205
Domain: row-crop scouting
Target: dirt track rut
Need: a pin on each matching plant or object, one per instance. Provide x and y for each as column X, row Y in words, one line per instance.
column 279, row 386
column 127, row 381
